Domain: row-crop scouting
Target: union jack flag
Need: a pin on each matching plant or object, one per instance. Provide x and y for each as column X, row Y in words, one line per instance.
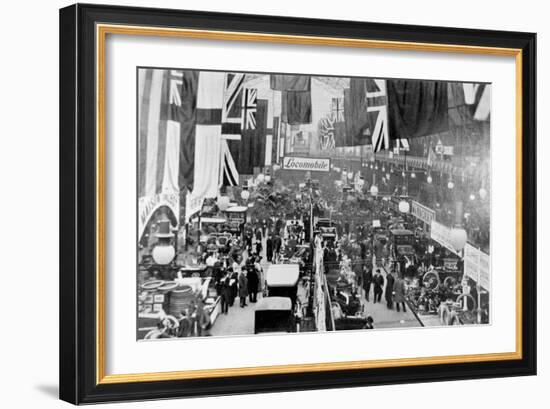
column 232, row 109
column 250, row 104
column 326, row 132
column 338, row 109
column 377, row 105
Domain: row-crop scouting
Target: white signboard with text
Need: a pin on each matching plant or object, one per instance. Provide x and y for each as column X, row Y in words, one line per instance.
column 306, row 164
column 422, row 212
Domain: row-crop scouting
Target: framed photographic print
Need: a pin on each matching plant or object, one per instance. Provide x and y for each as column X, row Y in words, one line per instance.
column 258, row 203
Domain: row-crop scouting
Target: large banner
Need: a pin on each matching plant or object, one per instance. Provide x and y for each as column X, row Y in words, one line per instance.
column 442, row 234
column 306, row 164
column 149, row 204
column 477, row 266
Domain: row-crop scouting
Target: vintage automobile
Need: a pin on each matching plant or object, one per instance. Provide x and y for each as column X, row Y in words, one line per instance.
column 274, row 314
column 401, row 242
column 281, row 280
column 278, row 311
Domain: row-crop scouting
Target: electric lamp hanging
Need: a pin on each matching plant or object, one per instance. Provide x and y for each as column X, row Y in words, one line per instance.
column 482, row 193
column 374, row 190
column 429, row 179
column 404, row 206
column 164, row 252
column 458, row 238
column 223, row 203
column 245, row 194
column 451, row 184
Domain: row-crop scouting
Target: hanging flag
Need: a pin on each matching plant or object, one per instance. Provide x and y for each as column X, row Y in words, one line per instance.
column 250, row 151
column 431, row 156
column 232, row 114
column 166, row 118
column 402, row 144
column 296, row 107
column 326, row 133
column 377, row 108
column 276, row 140
column 417, row 108
column 337, row 109
column 250, row 97
column 478, row 98
column 229, row 174
column 280, row 82
column 365, row 112
column 208, row 135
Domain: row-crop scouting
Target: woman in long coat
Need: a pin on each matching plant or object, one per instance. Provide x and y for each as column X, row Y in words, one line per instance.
column 399, row 293
column 243, row 288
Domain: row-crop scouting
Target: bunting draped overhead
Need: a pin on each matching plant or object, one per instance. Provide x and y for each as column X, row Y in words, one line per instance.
column 199, row 131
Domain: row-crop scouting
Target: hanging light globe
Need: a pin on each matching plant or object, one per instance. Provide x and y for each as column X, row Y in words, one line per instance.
column 350, row 175
column 267, row 178
column 245, row 194
column 403, row 174
column 383, row 168
column 387, row 175
column 451, row 184
column 404, row 206
column 163, row 254
column 429, row 179
column 413, row 175
column 376, row 167
column 374, row 190
column 223, row 203
column 458, row 238
column 260, row 178
column 482, row 193
column 472, row 197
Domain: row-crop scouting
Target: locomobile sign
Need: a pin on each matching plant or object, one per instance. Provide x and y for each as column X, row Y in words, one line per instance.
column 311, row 164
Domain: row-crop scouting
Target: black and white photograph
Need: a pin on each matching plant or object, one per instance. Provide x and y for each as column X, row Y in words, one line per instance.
column 274, row 203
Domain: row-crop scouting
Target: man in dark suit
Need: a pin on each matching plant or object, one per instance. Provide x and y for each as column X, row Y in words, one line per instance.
column 378, row 281
column 390, row 280
column 367, row 281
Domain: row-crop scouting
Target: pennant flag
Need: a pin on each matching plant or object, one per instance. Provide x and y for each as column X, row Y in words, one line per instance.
column 281, row 82
column 417, row 108
column 296, row 107
column 478, row 98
